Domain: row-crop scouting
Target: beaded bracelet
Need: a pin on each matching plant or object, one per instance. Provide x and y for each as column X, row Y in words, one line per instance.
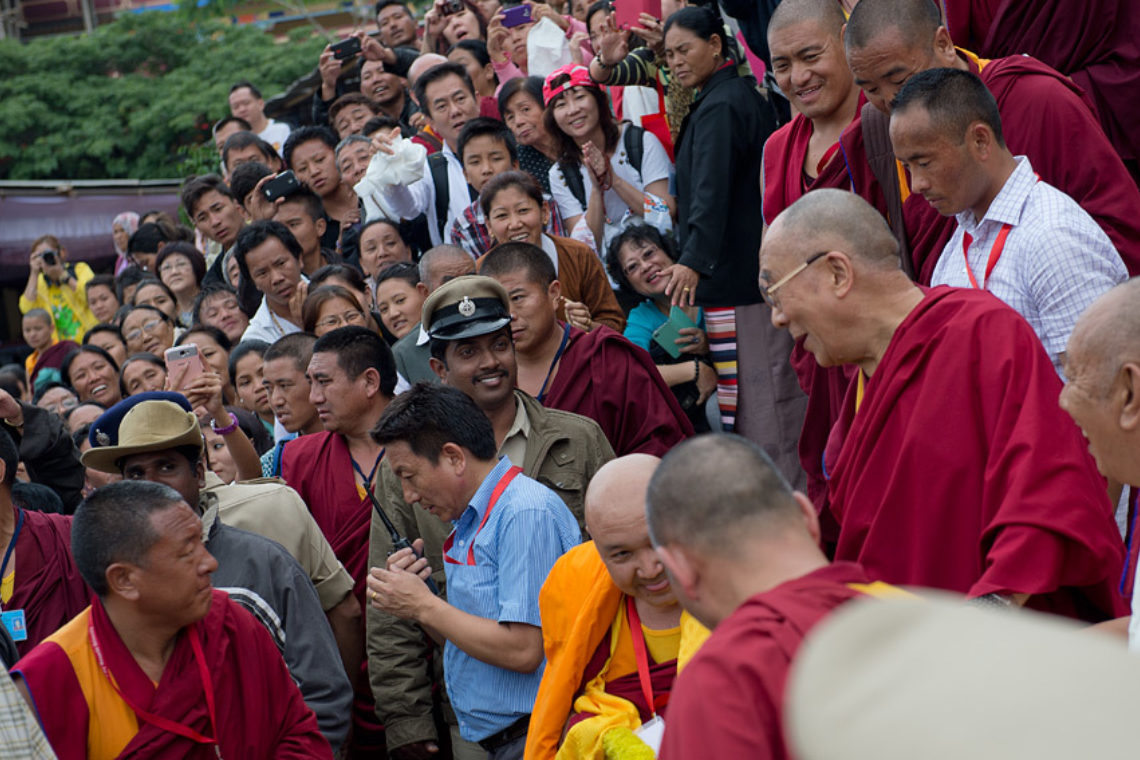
column 228, row 428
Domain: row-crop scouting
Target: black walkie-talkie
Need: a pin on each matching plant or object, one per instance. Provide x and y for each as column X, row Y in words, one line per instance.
column 398, row 541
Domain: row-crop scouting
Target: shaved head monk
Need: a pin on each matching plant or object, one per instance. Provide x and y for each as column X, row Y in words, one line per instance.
column 1102, row 395
column 609, row 618
column 951, row 465
column 742, row 553
column 806, row 41
column 1045, row 117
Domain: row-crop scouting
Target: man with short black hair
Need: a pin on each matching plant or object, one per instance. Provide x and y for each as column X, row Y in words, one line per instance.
column 244, row 179
column 226, row 126
column 448, row 99
column 246, row 147
column 160, row 647
column 1019, row 238
column 285, row 378
column 212, row 208
column 311, row 153
column 269, row 257
column 395, row 22
column 246, row 103
column 388, row 90
column 509, row 531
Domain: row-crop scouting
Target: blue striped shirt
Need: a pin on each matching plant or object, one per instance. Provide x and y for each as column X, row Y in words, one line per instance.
column 526, row 532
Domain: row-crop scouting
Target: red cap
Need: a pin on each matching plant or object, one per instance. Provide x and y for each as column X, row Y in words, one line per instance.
column 579, row 77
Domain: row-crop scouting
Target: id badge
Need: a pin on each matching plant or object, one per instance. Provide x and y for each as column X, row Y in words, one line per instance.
column 652, row 732
column 16, row 624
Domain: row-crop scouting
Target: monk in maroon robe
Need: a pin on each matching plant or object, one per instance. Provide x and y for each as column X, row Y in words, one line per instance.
column 598, row 374
column 1045, row 116
column 810, row 152
column 953, row 465
column 742, row 551
column 1093, row 42
column 161, row 664
column 48, row 587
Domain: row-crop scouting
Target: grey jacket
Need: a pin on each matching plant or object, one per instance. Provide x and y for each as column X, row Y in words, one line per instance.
column 563, row 452
column 261, row 576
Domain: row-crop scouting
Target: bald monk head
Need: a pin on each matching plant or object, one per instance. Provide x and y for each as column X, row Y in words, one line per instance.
column 829, row 268
column 727, row 526
column 888, row 41
column 443, row 263
column 615, row 517
column 1102, row 393
column 946, row 130
column 805, row 38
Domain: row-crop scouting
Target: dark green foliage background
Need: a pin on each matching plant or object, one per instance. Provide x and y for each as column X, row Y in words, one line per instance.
column 135, row 99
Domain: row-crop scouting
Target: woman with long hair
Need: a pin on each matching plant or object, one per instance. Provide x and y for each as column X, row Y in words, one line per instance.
column 600, row 179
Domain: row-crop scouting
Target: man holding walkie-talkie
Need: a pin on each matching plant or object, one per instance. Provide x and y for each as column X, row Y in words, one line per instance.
column 509, row 531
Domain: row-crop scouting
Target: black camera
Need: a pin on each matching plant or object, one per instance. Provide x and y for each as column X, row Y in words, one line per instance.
column 283, row 184
column 49, row 258
column 451, row 7
column 346, row 48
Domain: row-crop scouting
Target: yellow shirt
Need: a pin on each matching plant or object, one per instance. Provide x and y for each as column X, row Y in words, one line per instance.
column 111, row 723
column 663, row 646
column 68, row 307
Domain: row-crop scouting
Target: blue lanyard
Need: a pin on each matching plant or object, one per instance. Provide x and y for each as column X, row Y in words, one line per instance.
column 370, row 476
column 554, row 362
column 12, row 544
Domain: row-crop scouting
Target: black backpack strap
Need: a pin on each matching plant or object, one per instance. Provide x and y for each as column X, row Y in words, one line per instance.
column 437, row 163
column 573, row 177
column 278, row 453
column 881, row 157
column 634, row 139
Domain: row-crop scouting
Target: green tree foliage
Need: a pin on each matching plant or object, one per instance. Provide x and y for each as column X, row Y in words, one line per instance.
column 133, row 99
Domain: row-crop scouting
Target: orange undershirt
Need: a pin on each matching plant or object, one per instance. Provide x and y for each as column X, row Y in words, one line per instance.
column 111, row 723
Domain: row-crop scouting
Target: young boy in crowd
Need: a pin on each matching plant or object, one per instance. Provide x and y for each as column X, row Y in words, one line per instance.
column 486, row 149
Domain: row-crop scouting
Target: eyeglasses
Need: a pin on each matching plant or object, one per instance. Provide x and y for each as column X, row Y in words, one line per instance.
column 149, row 327
column 339, row 320
column 171, row 264
column 769, row 292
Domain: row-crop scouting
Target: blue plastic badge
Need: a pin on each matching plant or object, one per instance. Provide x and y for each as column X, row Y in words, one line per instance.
column 16, row 624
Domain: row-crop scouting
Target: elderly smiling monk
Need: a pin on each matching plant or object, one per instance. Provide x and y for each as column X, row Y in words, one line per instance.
column 1102, row 395
column 613, row 630
column 951, row 465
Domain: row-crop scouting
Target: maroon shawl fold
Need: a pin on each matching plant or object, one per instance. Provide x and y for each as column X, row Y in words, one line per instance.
column 961, row 472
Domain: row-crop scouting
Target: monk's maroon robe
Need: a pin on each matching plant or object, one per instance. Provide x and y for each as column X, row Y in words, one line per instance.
column 961, row 472
column 728, row 701
column 605, row 377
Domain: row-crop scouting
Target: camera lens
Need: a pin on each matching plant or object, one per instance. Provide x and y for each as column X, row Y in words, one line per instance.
column 49, row 258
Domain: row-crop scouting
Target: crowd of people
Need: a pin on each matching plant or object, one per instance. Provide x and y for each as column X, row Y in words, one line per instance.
column 563, row 373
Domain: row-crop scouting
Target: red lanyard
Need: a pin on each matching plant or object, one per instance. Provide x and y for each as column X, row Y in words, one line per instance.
column 501, row 486
column 991, row 262
column 157, row 720
column 640, row 653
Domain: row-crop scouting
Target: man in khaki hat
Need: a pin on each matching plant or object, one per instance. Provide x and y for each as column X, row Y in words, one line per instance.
column 468, row 320
column 155, row 436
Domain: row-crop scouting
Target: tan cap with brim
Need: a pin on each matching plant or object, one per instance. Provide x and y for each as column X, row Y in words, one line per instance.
column 149, row 426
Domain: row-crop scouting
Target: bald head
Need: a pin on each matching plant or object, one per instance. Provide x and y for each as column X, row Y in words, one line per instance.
column 834, row 219
column 615, row 517
column 1107, row 334
column 617, row 492
column 713, row 491
column 917, row 20
column 825, row 13
column 443, row 263
column 422, row 64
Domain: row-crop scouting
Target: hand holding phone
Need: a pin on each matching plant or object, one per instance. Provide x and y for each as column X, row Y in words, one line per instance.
column 516, row 16
column 283, row 184
column 667, row 334
column 346, row 48
column 183, row 366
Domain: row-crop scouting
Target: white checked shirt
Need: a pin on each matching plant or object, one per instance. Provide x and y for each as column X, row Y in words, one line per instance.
column 1056, row 260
